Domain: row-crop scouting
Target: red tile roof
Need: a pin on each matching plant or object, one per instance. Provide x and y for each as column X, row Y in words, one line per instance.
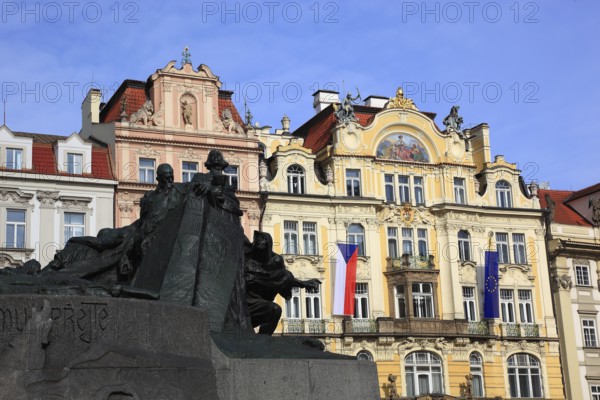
column 226, row 102
column 563, row 213
column 585, row 192
column 136, row 96
column 44, row 157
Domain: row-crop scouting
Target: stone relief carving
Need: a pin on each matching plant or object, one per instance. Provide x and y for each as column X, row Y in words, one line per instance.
column 520, row 274
column 563, row 281
column 147, row 151
column 144, row 115
column 15, row 195
column 47, row 198
column 75, row 203
column 467, row 273
column 264, row 184
column 189, row 154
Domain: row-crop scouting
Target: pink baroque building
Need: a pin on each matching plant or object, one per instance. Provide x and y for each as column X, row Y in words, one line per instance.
column 176, row 116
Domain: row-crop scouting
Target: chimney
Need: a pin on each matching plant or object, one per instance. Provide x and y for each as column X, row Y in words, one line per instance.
column 323, row 98
column 90, row 109
column 376, row 101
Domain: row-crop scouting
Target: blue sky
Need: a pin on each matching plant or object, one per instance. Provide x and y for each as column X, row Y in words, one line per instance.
column 530, row 69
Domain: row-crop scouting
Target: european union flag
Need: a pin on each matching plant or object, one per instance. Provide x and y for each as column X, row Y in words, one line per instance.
column 491, row 300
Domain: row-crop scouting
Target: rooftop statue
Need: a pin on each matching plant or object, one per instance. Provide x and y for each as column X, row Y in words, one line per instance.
column 401, row 102
column 345, row 112
column 453, row 121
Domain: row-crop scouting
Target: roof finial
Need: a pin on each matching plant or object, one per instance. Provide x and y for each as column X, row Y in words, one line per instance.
column 4, row 106
column 186, row 56
column 248, row 114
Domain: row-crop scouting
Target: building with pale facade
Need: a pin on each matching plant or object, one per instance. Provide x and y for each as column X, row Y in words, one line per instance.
column 176, row 116
column 422, row 204
column 573, row 244
column 52, row 188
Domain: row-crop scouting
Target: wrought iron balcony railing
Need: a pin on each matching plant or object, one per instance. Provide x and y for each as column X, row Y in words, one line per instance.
column 408, row 261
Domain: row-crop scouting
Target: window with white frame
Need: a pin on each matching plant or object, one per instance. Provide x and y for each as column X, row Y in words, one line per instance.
column 389, row 188
column 353, row 182
column 292, row 306
column 146, row 170
column 464, row 246
column 404, row 188
column 422, row 242
column 422, row 297
column 400, row 301
column 407, row 241
column 364, row 355
column 313, row 302
column 595, row 389
column 74, row 225
column 392, row 242
column 14, row 158
column 232, row 172
column 309, row 236
column 526, row 307
column 419, row 190
column 476, row 369
column 582, row 275
column 74, row 163
column 295, row 178
column 502, row 248
column 356, row 235
column 519, row 248
column 590, row 338
column 503, row 194
column 188, row 170
column 469, row 303
column 290, row 237
column 507, row 306
column 15, row 228
column 361, row 301
column 423, row 373
column 524, row 376
column 459, row 191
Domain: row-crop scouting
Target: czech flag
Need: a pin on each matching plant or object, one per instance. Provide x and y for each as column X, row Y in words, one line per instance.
column 345, row 279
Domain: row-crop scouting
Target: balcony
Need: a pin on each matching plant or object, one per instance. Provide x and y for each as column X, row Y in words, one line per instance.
column 411, row 262
column 363, row 326
column 479, row 328
column 309, row 326
column 520, row 330
column 438, row 327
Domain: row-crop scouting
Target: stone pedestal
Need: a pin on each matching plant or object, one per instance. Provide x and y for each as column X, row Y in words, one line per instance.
column 77, row 347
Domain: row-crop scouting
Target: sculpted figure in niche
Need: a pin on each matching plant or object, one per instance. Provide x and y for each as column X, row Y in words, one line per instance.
column 266, row 277
column 186, row 110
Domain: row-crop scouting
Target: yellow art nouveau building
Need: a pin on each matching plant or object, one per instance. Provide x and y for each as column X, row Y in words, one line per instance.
column 422, row 204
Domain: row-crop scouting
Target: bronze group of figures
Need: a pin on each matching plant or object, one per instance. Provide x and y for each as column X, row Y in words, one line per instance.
column 115, row 262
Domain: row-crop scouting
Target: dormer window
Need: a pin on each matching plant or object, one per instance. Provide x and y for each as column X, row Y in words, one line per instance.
column 503, row 194
column 74, row 163
column 295, row 175
column 14, row 158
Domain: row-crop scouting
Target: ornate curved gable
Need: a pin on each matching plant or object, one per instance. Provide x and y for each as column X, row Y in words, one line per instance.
column 402, row 147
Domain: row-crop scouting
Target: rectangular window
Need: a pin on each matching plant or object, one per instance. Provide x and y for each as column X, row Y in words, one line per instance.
column 292, row 306
column 392, row 242
column 309, row 236
column 407, row 241
column 74, row 225
column 582, row 275
column 400, row 301
column 74, row 163
column 188, row 169
column 15, row 228
column 232, row 172
column 313, row 303
column 519, row 248
column 459, row 191
column 290, row 237
column 422, row 295
column 502, row 248
column 422, row 244
column 419, row 190
column 507, row 306
column 469, row 303
column 147, row 170
column 389, row 188
column 404, row 188
column 589, row 333
column 361, row 301
column 526, row 307
column 353, row 182
column 14, row 158
column 595, row 389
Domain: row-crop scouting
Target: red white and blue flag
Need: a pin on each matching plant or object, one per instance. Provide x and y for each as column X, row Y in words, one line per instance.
column 345, row 279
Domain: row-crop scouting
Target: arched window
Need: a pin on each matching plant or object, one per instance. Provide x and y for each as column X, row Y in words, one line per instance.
column 295, row 174
column 356, row 234
column 464, row 246
column 423, row 373
column 524, row 376
column 476, row 369
column 503, row 194
column 364, row 355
